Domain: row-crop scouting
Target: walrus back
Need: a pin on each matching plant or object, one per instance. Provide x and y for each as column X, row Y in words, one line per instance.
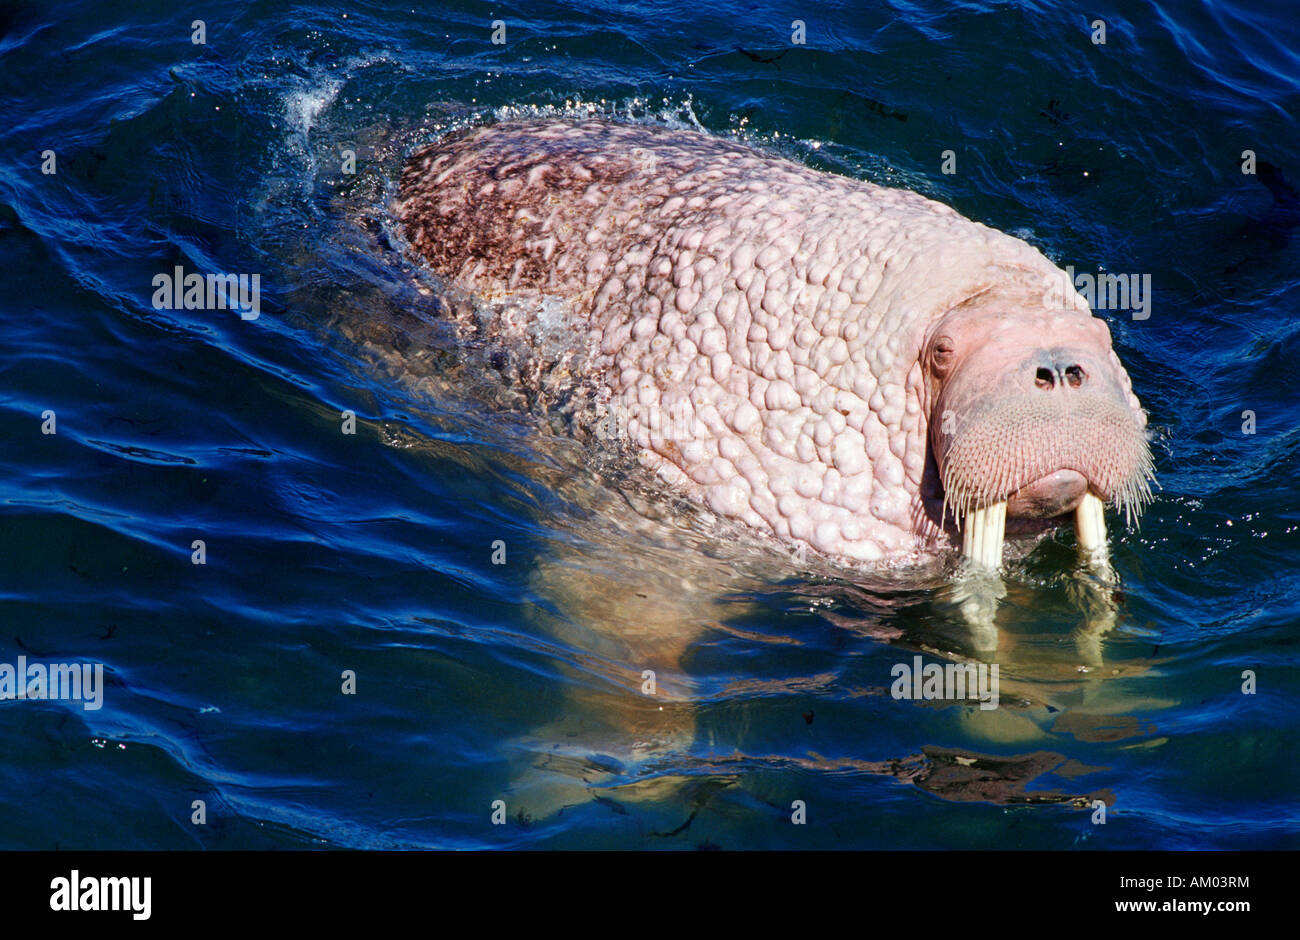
column 554, row 207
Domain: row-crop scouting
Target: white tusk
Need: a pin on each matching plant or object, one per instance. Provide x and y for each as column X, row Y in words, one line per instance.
column 983, row 533
column 1090, row 531
column 1090, row 524
column 1096, row 592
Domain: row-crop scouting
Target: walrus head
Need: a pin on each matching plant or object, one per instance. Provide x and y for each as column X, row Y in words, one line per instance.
column 1032, row 417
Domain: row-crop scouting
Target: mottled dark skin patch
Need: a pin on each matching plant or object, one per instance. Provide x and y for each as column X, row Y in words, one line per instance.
column 485, row 212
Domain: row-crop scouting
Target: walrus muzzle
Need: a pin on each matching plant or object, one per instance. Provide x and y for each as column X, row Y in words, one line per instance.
column 1066, row 442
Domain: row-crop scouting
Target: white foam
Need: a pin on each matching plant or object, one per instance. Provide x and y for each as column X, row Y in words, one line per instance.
column 302, row 107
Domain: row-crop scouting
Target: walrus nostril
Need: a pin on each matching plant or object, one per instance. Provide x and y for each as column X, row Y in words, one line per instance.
column 1054, row 375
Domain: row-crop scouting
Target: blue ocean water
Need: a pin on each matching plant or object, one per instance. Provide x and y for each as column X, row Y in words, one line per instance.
column 515, row 689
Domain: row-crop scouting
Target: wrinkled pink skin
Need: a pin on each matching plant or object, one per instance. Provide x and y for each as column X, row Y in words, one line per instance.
column 767, row 336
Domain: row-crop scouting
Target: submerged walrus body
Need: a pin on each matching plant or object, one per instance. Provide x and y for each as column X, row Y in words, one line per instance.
column 850, row 367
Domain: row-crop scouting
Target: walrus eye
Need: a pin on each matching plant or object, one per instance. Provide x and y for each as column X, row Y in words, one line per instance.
column 942, row 354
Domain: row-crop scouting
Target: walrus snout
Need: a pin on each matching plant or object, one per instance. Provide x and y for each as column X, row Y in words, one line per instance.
column 1034, row 430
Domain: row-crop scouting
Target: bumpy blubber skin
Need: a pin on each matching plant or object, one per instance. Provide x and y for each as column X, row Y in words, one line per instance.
column 766, row 333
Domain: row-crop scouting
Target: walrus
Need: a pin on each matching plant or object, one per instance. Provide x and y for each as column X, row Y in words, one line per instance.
column 854, row 369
